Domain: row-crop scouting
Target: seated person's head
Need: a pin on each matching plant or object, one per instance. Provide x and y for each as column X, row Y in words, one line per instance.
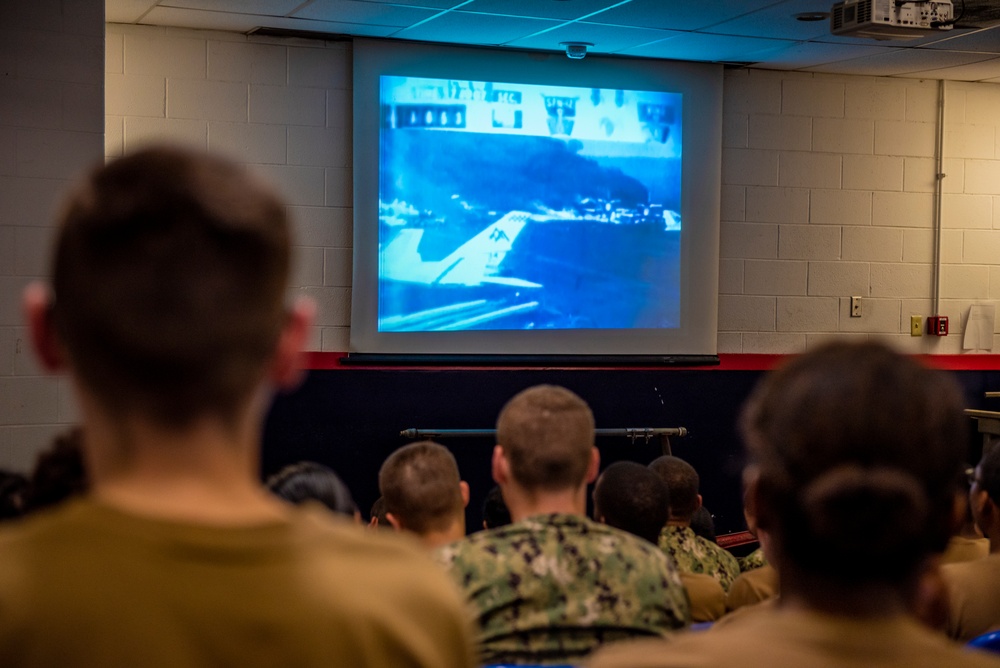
column 855, row 452
column 630, row 497
column 305, row 481
column 495, row 512
column 682, row 481
column 423, row 490
column 13, row 488
column 168, row 290
column 984, row 496
column 545, row 437
column 377, row 518
column 59, row 472
column 703, row 524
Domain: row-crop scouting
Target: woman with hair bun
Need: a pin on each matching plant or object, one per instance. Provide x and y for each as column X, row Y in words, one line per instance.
column 854, row 455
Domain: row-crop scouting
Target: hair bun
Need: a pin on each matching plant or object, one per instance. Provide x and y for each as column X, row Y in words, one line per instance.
column 865, row 516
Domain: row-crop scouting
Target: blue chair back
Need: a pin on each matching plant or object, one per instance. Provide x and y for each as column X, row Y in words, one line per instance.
column 988, row 641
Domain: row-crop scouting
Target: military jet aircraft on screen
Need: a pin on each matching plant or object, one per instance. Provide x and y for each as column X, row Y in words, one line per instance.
column 476, row 262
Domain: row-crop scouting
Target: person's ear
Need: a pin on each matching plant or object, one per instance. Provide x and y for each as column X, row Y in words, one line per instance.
column 500, row 466
column 287, row 366
column 37, row 306
column 394, row 521
column 595, row 465
column 464, row 486
column 699, row 502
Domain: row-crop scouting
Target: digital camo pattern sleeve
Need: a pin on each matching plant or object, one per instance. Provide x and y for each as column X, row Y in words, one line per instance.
column 554, row 587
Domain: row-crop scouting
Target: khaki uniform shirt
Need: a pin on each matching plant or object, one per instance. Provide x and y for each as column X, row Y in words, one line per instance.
column 785, row 638
column 706, row 596
column 754, row 586
column 973, row 595
column 89, row 586
column 552, row 588
column 694, row 554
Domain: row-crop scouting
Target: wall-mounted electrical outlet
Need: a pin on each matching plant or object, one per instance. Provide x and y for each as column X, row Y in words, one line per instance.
column 855, row 307
column 916, row 326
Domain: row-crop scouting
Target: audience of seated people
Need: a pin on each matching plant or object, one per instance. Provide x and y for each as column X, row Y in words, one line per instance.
column 853, row 481
column 631, row 497
column 553, row 586
column 168, row 308
column 160, row 548
column 974, row 585
column 424, row 493
column 495, row 513
column 309, row 481
column 691, row 553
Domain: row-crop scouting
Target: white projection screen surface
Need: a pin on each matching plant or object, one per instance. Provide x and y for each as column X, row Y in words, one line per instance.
column 520, row 203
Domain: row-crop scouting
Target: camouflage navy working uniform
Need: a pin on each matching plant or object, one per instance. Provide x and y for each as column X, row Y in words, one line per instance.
column 552, row 588
column 694, row 554
column 755, row 559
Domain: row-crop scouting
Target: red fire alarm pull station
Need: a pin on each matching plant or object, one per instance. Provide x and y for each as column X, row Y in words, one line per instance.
column 937, row 325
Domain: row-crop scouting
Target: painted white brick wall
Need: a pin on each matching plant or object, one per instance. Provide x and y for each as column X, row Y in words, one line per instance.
column 866, row 177
column 51, row 128
column 280, row 106
column 826, row 180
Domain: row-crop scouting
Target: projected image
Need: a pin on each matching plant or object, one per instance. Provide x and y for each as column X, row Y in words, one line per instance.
column 509, row 206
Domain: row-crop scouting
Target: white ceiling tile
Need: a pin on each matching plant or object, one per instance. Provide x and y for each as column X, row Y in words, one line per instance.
column 778, row 20
column 126, row 11
column 717, row 48
column 675, row 15
column 369, row 13
column 900, row 62
column 604, row 38
column 810, row 54
column 543, row 9
column 427, row 4
column 262, row 7
column 190, row 18
column 471, row 28
column 981, row 41
column 970, row 72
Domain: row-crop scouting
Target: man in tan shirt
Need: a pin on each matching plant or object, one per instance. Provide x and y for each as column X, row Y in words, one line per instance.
column 974, row 586
column 167, row 307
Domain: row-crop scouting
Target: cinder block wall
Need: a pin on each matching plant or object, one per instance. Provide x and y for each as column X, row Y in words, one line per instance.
column 827, row 194
column 51, row 128
column 282, row 106
column 827, row 181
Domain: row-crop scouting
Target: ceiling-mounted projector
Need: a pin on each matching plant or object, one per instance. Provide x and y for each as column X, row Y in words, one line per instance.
column 890, row 19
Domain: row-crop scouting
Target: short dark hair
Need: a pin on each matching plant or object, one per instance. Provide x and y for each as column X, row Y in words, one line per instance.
column 421, row 486
column 989, row 473
column 304, row 481
column 547, row 433
column 857, row 454
column 169, row 281
column 632, row 498
column 495, row 510
column 682, row 481
column 13, row 488
column 59, row 472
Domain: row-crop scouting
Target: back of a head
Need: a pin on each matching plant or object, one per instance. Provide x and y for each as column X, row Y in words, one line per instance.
column 305, row 481
column 495, row 511
column 855, row 452
column 988, row 474
column 682, row 481
column 59, row 472
column 547, row 433
column 13, row 488
column 169, row 276
column 422, row 487
column 631, row 497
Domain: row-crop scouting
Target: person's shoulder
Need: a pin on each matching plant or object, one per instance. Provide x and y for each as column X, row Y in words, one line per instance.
column 972, row 571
